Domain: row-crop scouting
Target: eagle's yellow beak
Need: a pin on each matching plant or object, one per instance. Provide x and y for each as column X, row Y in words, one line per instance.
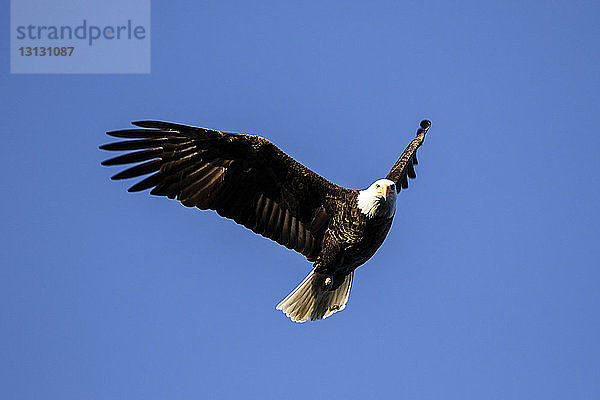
column 384, row 191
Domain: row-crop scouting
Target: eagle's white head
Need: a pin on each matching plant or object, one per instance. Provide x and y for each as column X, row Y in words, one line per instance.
column 378, row 200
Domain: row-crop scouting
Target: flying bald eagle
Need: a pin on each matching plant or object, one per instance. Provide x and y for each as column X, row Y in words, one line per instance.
column 248, row 179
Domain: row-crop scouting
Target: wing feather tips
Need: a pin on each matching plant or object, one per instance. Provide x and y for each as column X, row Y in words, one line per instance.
column 404, row 168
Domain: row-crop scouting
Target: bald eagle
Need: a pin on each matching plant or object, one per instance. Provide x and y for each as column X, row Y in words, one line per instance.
column 248, row 179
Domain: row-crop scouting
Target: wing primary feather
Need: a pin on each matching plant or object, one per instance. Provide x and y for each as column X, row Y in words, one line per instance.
column 162, row 190
column 139, row 133
column 404, row 181
column 134, row 157
column 411, row 171
column 141, row 169
column 191, row 131
column 147, row 183
column 134, row 144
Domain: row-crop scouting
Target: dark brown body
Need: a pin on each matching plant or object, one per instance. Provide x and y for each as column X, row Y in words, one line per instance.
column 350, row 240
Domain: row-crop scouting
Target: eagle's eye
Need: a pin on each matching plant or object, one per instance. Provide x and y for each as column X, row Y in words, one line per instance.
column 377, row 186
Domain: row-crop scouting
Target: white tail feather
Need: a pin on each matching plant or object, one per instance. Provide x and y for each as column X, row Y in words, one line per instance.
column 311, row 299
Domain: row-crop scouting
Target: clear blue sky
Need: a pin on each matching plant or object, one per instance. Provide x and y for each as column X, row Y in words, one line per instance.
column 486, row 288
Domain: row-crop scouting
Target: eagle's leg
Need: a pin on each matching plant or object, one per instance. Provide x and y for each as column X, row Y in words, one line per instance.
column 325, row 265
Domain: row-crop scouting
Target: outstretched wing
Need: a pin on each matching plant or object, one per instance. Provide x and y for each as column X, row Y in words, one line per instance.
column 243, row 177
column 404, row 167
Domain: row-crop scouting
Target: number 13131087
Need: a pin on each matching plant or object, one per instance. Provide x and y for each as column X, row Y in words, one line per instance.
column 46, row 51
